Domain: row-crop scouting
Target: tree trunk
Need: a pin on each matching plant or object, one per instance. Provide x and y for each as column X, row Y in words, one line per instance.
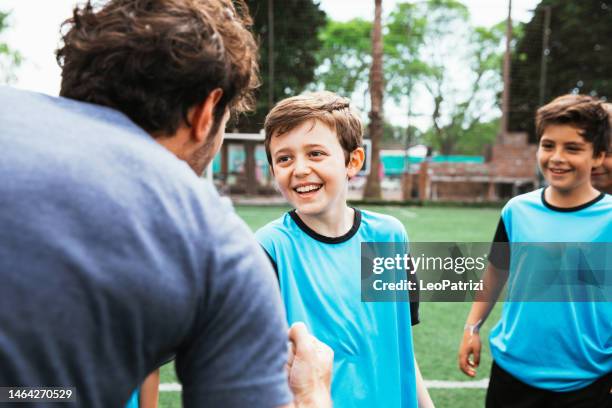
column 372, row 188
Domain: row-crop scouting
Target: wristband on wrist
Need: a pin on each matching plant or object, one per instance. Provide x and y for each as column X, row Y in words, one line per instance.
column 473, row 328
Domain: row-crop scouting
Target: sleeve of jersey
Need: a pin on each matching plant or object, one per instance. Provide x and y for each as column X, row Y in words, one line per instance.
column 500, row 250
column 265, row 241
column 414, row 298
column 236, row 353
column 412, row 277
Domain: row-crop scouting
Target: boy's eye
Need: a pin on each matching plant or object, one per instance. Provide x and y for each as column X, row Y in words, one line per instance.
column 574, row 148
column 547, row 145
column 317, row 153
column 282, row 159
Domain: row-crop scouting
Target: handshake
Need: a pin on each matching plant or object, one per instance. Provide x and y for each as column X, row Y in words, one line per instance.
column 309, row 368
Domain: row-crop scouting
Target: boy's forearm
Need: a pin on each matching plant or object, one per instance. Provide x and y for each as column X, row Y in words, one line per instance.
column 494, row 281
column 149, row 391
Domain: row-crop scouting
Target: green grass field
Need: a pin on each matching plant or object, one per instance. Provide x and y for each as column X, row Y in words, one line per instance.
column 437, row 337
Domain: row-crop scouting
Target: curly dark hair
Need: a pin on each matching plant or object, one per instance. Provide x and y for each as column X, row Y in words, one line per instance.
column 153, row 60
column 586, row 113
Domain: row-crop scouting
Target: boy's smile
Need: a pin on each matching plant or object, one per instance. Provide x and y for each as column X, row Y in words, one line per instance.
column 566, row 159
column 310, row 168
column 307, row 188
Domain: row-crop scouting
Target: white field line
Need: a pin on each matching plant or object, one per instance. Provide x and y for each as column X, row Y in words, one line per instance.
column 176, row 387
column 403, row 211
column 170, row 387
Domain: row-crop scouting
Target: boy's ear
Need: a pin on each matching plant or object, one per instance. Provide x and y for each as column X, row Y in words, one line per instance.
column 355, row 163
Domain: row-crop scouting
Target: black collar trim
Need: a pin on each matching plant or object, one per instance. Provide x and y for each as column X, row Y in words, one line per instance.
column 571, row 209
column 322, row 238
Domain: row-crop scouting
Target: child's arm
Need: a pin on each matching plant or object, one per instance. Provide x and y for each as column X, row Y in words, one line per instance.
column 149, row 391
column 424, row 400
column 469, row 350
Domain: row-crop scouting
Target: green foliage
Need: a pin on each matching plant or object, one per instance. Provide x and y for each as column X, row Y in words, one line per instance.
column 345, row 56
column 459, row 106
column 395, row 136
column 9, row 58
column 472, row 141
column 424, row 42
column 296, row 27
column 406, row 29
column 579, row 59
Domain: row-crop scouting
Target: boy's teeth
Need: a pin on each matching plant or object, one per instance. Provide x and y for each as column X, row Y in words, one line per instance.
column 306, row 189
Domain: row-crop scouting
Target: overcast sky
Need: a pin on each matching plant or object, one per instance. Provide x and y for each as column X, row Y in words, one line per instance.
column 35, row 26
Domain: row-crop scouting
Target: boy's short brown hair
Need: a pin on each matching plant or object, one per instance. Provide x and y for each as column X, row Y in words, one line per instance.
column 586, row 113
column 328, row 108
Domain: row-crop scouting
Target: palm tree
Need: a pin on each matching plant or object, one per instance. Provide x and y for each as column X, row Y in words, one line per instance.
column 372, row 188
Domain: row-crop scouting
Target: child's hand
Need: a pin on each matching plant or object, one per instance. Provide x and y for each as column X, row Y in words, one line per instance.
column 469, row 353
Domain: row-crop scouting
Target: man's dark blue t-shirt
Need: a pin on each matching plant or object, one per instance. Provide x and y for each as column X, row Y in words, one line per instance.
column 115, row 256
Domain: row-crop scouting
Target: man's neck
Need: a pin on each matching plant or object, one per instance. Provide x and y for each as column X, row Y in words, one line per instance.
column 570, row 198
column 332, row 223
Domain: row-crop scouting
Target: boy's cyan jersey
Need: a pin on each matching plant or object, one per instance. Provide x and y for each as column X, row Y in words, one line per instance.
column 320, row 281
column 558, row 346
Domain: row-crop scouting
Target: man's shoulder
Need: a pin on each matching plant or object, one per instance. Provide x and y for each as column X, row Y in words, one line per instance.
column 113, row 170
column 86, row 146
column 47, row 109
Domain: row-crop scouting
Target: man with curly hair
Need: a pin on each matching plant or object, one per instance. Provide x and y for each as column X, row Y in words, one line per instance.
column 115, row 256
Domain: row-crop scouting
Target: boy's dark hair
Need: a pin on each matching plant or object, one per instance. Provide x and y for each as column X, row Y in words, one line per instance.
column 332, row 110
column 153, row 60
column 583, row 112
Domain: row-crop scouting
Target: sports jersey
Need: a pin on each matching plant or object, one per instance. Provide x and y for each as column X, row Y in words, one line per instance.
column 320, row 280
column 558, row 346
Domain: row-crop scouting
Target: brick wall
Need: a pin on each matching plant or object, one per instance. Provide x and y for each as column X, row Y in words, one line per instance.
column 514, row 157
column 513, row 161
column 460, row 191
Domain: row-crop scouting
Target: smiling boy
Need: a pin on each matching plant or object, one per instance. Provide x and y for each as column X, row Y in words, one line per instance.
column 551, row 354
column 313, row 144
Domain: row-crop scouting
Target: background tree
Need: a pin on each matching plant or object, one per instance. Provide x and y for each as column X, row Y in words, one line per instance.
column 405, row 30
column 579, row 57
column 463, row 86
column 377, row 88
column 296, row 41
column 345, row 57
column 429, row 49
column 9, row 58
